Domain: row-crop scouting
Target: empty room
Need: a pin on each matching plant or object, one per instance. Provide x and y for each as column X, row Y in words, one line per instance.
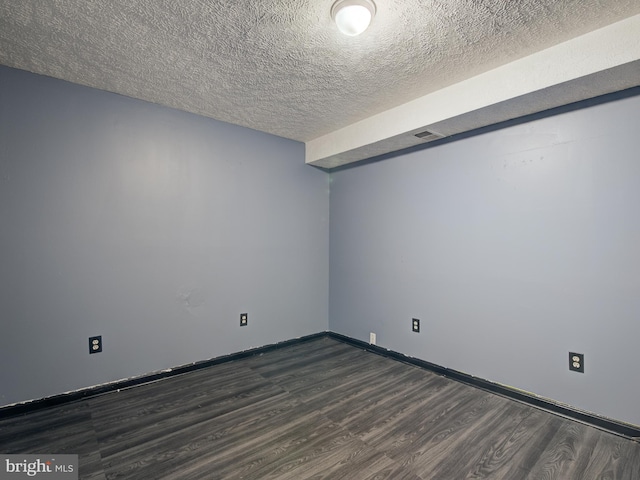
column 352, row 239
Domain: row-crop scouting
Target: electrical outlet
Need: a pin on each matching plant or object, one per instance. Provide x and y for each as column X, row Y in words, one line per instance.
column 576, row 362
column 244, row 319
column 95, row 344
column 372, row 338
column 415, row 325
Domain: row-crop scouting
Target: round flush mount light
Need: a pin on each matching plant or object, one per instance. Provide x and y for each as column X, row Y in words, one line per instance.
column 353, row 16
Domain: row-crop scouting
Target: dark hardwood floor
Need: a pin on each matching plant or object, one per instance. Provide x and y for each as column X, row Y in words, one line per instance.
column 319, row 409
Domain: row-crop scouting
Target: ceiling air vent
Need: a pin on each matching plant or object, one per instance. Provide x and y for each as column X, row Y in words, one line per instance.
column 428, row 136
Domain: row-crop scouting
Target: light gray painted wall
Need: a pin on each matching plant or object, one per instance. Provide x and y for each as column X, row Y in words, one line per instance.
column 152, row 227
column 513, row 247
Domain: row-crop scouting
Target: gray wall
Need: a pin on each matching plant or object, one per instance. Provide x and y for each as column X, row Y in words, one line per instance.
column 156, row 228
column 152, row 227
column 513, row 247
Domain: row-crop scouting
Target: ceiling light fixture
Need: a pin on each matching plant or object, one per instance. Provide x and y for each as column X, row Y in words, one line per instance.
column 353, row 16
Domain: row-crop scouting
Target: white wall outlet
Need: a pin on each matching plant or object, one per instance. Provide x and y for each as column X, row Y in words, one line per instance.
column 95, row 344
column 576, row 362
column 372, row 338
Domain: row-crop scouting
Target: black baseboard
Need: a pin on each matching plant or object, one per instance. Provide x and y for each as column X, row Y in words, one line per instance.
column 33, row 405
column 628, row 431
column 625, row 430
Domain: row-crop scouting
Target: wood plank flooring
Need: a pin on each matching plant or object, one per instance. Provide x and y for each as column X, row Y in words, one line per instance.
column 319, row 409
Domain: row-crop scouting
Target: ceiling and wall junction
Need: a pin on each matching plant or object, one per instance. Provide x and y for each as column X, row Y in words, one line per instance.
column 282, row 67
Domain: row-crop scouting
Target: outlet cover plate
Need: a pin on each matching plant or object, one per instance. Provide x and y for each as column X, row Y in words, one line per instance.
column 415, row 325
column 576, row 362
column 244, row 319
column 95, row 344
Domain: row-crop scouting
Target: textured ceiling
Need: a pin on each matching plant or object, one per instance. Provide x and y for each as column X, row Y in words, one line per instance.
column 281, row 66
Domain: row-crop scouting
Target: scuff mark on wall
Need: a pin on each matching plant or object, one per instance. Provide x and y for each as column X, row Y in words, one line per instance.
column 191, row 300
